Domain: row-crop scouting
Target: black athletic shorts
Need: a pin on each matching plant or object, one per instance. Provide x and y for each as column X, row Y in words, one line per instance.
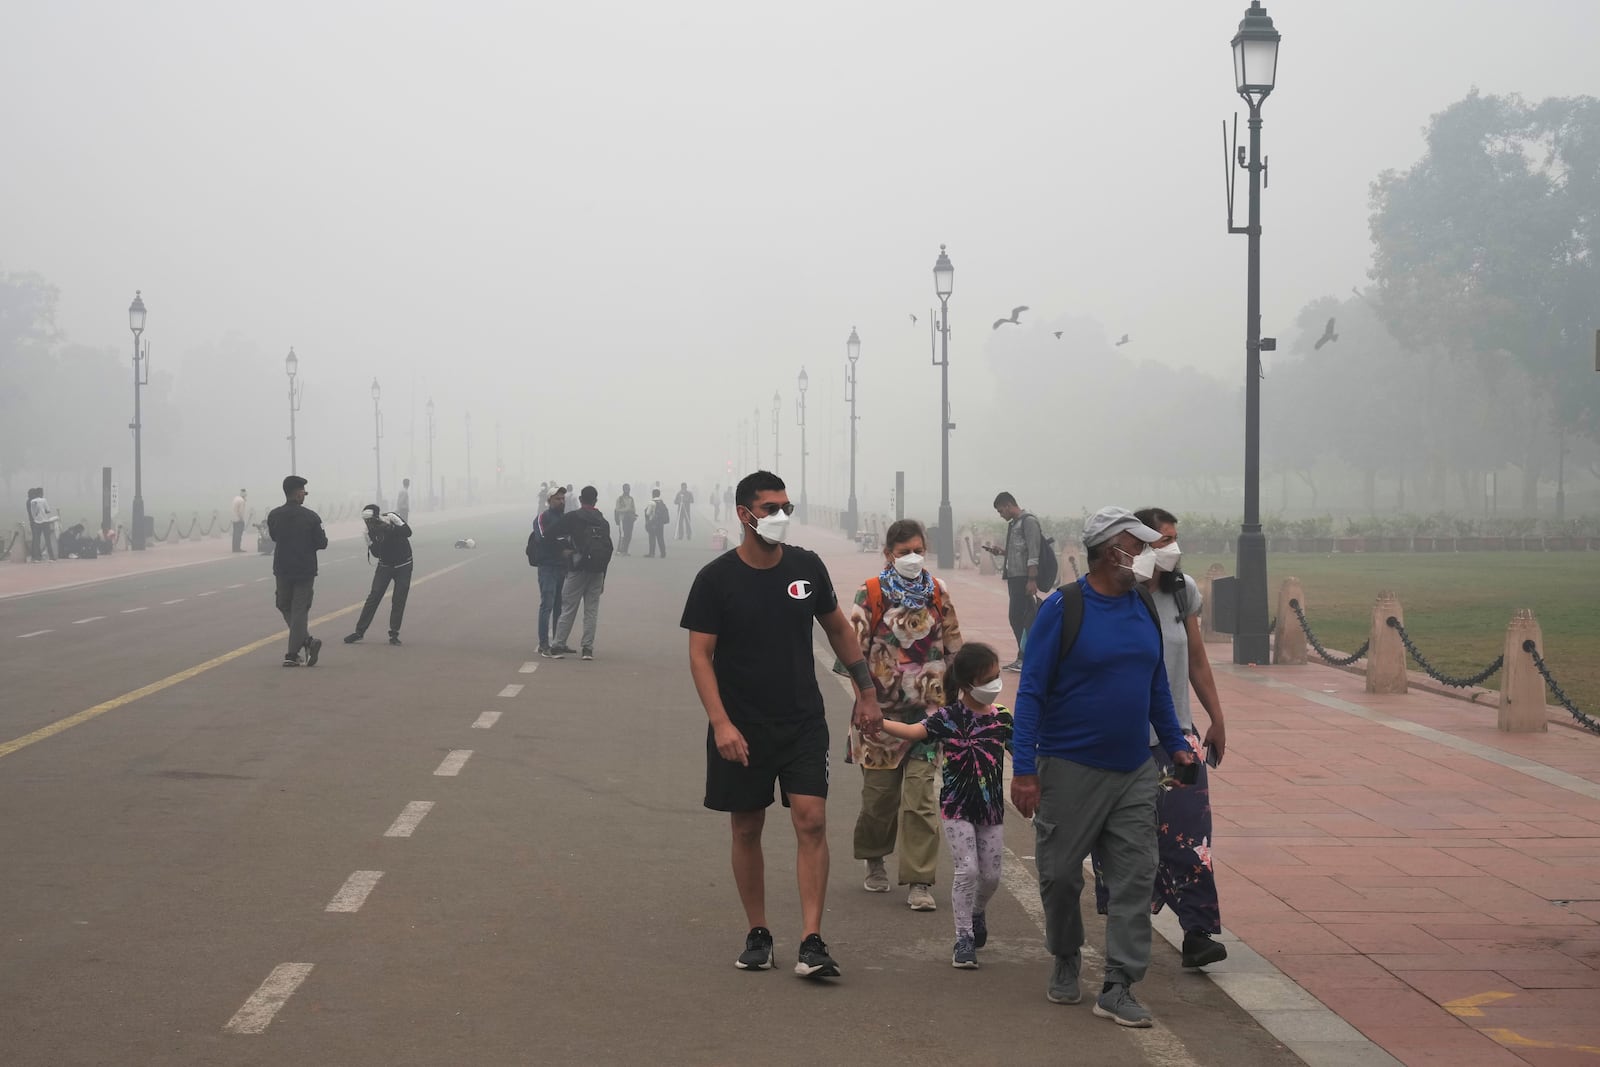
column 792, row 754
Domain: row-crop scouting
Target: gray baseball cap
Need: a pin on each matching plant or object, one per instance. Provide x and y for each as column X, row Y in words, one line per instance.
column 1106, row 523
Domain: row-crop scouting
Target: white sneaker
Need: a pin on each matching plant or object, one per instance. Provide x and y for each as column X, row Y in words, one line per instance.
column 877, row 878
column 920, row 898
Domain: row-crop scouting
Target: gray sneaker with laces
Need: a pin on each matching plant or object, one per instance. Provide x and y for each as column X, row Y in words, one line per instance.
column 877, row 880
column 1064, row 980
column 1118, row 1005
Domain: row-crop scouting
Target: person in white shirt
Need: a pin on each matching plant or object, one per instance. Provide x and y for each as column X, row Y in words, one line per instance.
column 238, row 520
column 44, row 522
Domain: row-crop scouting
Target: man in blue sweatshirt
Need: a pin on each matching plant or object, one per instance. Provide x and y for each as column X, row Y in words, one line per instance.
column 1082, row 764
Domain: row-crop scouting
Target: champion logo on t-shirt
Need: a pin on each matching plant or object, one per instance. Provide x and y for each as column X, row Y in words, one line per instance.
column 799, row 590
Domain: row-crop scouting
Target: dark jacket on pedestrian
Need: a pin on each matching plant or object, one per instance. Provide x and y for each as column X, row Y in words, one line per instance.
column 297, row 537
column 585, row 535
column 545, row 548
column 391, row 544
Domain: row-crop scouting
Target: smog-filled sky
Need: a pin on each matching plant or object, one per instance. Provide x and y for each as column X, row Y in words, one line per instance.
column 616, row 229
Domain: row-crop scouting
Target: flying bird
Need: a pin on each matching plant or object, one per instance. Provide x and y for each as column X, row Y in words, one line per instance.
column 1058, row 335
column 1123, row 341
column 1016, row 311
column 913, row 320
column 1327, row 335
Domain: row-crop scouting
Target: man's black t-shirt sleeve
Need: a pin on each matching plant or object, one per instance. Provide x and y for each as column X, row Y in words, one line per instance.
column 822, row 586
column 701, row 611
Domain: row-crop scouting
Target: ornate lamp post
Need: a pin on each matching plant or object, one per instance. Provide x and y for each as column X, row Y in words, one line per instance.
column 140, row 379
column 377, row 438
column 291, row 367
column 852, row 349
column 800, row 411
column 1255, row 70
column 944, row 277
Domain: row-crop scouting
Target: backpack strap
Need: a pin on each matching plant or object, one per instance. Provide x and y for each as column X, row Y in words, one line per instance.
column 1072, row 617
column 874, row 588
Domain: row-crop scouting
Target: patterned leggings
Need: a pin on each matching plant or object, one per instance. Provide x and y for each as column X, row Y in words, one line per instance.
column 976, row 851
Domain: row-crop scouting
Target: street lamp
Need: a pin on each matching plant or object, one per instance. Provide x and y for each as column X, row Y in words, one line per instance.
column 852, row 349
column 800, row 410
column 432, row 500
column 1255, row 70
column 291, row 367
column 469, row 459
column 777, row 406
column 377, row 438
column 140, row 378
column 944, row 277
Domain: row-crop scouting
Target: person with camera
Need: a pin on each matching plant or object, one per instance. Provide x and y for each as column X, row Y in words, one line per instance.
column 1093, row 685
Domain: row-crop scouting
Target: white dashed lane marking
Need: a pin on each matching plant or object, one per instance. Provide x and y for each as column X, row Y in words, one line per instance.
column 486, row 720
column 265, row 578
column 409, row 818
column 452, row 764
column 208, row 592
column 165, row 603
column 239, row 585
column 92, row 618
column 354, row 892
column 257, row 1012
column 132, row 611
column 528, row 668
column 511, row 690
column 35, row 633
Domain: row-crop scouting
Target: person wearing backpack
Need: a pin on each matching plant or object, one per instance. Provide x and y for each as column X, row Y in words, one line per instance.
column 1025, row 568
column 656, row 518
column 544, row 553
column 907, row 626
column 587, row 537
column 1094, row 683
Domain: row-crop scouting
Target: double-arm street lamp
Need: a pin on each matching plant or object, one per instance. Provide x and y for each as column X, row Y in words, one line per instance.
column 800, row 412
column 852, row 349
column 291, row 367
column 377, row 438
column 1255, row 70
column 944, row 277
column 140, row 379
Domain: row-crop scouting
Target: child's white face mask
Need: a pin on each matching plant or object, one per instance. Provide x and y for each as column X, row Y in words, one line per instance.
column 986, row 694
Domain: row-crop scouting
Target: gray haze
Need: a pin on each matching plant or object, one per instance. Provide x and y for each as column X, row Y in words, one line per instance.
column 615, row 229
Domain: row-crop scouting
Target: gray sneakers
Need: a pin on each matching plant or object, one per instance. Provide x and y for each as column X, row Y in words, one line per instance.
column 1118, row 1005
column 877, row 878
column 1064, row 980
column 920, row 897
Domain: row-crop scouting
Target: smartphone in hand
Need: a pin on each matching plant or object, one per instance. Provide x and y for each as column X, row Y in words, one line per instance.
column 1213, row 757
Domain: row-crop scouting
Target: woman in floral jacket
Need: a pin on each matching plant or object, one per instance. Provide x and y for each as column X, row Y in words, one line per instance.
column 908, row 630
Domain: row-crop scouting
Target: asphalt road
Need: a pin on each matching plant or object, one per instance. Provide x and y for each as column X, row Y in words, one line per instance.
column 168, row 862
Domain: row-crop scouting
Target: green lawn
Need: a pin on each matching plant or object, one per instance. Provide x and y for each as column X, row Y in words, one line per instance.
column 1456, row 605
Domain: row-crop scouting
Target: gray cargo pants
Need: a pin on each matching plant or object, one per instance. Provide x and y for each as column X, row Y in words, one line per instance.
column 1083, row 808
column 586, row 586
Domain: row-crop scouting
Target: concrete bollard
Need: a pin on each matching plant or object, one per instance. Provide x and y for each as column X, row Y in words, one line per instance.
column 1386, row 654
column 1289, row 640
column 1208, row 632
column 1522, row 708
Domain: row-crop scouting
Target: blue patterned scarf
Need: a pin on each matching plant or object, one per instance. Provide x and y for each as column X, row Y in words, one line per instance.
column 913, row 595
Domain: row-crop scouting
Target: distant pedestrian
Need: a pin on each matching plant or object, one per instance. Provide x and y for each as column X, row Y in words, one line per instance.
column 1094, row 683
column 43, row 523
column 239, row 515
column 728, row 505
column 297, row 537
column 749, row 617
column 402, row 504
column 544, row 552
column 1019, row 568
column 587, row 537
column 716, row 502
column 685, row 502
column 973, row 734
column 625, row 513
column 656, row 518
column 389, row 543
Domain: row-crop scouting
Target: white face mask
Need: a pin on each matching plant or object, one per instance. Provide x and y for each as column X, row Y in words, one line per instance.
column 1167, row 558
column 1143, row 565
column 986, row 694
column 908, row 566
column 773, row 529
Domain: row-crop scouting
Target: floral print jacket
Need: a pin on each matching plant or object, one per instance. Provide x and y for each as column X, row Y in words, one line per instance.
column 906, row 654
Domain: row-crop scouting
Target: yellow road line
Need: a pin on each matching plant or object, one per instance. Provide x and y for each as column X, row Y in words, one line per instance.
column 171, row 680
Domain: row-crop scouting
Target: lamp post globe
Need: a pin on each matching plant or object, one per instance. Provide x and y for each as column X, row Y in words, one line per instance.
column 136, row 313
column 1255, row 72
column 944, row 280
column 852, row 348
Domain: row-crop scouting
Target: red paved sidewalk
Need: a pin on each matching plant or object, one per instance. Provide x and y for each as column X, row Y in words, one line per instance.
column 1434, row 882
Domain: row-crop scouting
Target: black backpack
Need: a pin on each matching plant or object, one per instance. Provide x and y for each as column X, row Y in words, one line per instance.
column 1072, row 618
column 592, row 543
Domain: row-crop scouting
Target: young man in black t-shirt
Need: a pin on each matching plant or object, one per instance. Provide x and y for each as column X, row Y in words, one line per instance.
column 749, row 619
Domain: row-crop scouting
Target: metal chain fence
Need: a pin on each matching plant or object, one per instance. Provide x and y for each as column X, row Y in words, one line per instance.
column 1437, row 675
column 1337, row 661
column 1587, row 721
